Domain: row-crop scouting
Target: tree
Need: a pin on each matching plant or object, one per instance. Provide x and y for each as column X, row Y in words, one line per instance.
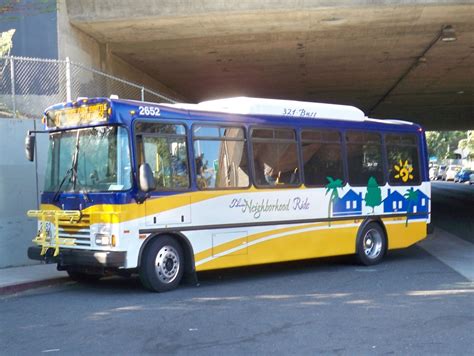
column 332, row 187
column 373, row 197
column 6, row 42
column 412, row 197
column 442, row 144
column 467, row 144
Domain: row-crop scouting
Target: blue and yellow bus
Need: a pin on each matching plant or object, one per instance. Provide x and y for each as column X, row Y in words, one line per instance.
column 166, row 190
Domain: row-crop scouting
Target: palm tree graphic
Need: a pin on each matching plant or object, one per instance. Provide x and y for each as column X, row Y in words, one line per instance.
column 412, row 197
column 332, row 187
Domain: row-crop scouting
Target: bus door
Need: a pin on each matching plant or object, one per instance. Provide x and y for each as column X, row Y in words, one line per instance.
column 163, row 147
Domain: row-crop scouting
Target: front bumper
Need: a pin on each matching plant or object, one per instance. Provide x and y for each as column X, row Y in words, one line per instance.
column 87, row 258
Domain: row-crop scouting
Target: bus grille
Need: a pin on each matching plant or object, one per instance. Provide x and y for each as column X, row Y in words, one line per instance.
column 80, row 231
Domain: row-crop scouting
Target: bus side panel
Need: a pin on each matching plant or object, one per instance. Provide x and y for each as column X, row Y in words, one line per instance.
column 300, row 242
column 280, row 244
column 400, row 234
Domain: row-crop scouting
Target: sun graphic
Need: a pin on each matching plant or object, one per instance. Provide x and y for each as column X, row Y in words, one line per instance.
column 404, row 171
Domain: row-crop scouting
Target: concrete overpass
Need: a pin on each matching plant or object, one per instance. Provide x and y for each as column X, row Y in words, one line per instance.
column 409, row 59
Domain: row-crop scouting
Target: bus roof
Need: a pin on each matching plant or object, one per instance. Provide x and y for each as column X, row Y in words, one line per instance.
column 260, row 106
column 251, row 107
column 277, row 107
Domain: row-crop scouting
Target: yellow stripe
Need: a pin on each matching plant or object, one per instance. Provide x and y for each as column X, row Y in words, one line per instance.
column 238, row 242
column 127, row 212
column 337, row 240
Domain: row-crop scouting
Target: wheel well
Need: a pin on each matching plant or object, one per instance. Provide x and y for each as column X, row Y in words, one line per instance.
column 189, row 267
column 377, row 221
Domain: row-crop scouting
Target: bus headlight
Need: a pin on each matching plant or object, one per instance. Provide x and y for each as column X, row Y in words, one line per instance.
column 103, row 239
column 103, row 235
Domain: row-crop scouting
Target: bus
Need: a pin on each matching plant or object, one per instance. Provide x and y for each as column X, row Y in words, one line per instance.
column 168, row 190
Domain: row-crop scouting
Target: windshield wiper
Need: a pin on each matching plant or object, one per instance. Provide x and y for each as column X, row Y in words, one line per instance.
column 75, row 161
column 56, row 195
column 72, row 170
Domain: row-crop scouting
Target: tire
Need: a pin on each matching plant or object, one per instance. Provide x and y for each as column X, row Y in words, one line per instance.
column 371, row 244
column 162, row 265
column 83, row 277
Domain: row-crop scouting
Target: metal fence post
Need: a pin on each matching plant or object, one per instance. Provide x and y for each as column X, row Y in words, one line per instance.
column 143, row 93
column 12, row 79
column 68, row 79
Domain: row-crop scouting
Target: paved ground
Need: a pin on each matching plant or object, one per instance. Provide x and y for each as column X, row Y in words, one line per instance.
column 413, row 303
column 16, row 279
column 452, row 208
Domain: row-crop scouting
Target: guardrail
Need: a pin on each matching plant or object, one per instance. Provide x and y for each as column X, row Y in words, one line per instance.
column 29, row 85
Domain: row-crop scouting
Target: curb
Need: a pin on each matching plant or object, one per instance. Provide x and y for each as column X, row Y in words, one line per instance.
column 21, row 287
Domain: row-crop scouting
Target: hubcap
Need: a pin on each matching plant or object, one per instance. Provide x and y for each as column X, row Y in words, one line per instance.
column 167, row 264
column 372, row 243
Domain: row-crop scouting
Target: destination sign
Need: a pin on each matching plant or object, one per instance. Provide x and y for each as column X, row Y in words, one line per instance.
column 77, row 116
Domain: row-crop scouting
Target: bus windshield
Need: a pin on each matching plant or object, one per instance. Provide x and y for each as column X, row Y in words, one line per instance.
column 89, row 160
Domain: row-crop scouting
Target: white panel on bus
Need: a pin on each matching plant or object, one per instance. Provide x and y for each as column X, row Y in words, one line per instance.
column 291, row 108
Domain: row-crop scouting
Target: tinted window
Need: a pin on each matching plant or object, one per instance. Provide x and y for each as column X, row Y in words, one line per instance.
column 220, row 156
column 364, row 157
column 403, row 161
column 322, row 156
column 163, row 147
column 154, row 128
column 275, row 157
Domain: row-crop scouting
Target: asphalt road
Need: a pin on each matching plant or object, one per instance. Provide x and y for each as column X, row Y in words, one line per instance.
column 452, row 208
column 410, row 304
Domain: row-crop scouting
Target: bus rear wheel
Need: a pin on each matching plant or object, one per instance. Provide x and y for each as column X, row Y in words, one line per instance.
column 371, row 244
column 162, row 265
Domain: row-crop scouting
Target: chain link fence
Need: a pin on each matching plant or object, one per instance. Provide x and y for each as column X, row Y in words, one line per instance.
column 29, row 85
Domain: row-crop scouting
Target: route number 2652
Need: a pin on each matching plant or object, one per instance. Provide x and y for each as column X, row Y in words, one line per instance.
column 148, row 111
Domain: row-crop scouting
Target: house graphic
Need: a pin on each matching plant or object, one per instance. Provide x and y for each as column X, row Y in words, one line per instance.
column 420, row 206
column 394, row 202
column 349, row 204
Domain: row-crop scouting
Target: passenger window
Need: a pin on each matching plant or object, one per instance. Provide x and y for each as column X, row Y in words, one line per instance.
column 275, row 157
column 163, row 147
column 322, row 156
column 364, row 157
column 220, row 155
column 402, row 157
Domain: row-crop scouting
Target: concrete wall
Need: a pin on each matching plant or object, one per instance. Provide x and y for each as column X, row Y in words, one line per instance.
column 20, row 183
column 82, row 48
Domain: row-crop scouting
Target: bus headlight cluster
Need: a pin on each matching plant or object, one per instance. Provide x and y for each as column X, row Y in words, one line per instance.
column 103, row 239
column 103, row 235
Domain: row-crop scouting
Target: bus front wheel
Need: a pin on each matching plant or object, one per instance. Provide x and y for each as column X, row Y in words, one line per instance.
column 162, row 264
column 371, row 244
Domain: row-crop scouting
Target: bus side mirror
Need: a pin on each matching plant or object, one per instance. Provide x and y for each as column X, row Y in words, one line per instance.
column 146, row 178
column 30, row 147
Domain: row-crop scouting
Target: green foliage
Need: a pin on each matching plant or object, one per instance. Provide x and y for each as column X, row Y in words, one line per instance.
column 373, row 197
column 332, row 186
column 443, row 143
column 6, row 42
column 468, row 143
column 411, row 196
